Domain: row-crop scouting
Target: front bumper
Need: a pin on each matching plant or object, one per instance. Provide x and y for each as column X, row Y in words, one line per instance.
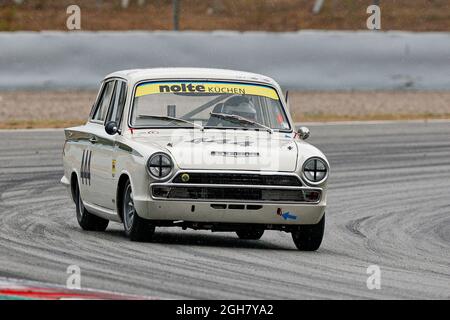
column 268, row 213
column 234, row 197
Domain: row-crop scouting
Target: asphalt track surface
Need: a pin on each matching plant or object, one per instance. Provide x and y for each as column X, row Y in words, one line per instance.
column 389, row 205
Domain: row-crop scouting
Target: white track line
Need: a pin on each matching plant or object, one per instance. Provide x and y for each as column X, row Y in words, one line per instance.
column 330, row 123
column 33, row 130
column 373, row 122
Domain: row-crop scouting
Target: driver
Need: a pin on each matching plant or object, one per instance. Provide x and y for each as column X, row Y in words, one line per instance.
column 240, row 106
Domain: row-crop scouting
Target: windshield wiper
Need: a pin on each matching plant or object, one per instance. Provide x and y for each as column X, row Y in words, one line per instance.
column 171, row 119
column 240, row 119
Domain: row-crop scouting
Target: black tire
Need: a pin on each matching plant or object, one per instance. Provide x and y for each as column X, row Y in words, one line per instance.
column 87, row 220
column 309, row 237
column 136, row 228
column 254, row 234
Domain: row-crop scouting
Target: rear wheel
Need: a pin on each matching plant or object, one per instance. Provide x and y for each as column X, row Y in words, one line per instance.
column 250, row 234
column 136, row 228
column 309, row 237
column 87, row 220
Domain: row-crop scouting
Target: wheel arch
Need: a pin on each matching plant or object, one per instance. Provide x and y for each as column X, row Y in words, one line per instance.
column 73, row 184
column 124, row 177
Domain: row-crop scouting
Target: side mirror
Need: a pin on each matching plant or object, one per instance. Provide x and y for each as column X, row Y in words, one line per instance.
column 303, row 133
column 111, row 128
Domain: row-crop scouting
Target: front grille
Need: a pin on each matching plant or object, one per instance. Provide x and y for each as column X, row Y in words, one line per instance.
column 237, row 179
column 235, row 194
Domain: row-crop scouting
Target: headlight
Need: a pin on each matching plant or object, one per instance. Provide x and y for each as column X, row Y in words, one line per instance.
column 315, row 170
column 159, row 165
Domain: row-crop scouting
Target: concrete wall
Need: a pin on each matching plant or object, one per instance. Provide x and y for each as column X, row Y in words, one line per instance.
column 306, row 60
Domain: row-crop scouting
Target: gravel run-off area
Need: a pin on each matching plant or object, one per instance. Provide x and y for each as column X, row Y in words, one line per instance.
column 27, row 109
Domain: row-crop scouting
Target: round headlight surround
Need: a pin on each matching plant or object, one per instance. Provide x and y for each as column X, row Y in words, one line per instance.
column 160, row 166
column 315, row 170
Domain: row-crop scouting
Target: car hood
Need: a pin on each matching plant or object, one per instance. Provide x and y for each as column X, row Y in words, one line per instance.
column 225, row 149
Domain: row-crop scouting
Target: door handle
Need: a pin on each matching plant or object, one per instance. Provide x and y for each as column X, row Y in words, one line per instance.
column 93, row 139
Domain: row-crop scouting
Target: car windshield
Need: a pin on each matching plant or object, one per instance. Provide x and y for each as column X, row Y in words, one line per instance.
column 181, row 104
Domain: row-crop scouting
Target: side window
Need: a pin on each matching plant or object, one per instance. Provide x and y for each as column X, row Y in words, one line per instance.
column 276, row 115
column 120, row 94
column 104, row 101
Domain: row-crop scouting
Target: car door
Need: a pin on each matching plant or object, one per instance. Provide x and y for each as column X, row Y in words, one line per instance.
column 115, row 114
column 84, row 138
column 103, row 146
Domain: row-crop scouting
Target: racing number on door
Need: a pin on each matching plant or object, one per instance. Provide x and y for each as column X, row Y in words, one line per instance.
column 85, row 171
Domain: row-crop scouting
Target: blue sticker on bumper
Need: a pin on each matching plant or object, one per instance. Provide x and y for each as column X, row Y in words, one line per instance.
column 286, row 215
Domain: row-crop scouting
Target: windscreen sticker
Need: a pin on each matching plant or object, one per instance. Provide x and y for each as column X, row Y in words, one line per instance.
column 205, row 87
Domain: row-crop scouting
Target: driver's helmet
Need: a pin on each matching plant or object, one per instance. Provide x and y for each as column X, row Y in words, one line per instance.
column 240, row 106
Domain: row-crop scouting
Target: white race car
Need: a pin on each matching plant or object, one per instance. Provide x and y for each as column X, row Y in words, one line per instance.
column 195, row 148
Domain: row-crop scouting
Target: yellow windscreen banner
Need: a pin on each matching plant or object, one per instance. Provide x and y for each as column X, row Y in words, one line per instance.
column 206, row 88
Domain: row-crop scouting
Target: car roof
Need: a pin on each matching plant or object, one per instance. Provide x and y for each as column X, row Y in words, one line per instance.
column 136, row 75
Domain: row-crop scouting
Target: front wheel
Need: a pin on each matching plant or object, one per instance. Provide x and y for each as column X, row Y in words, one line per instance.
column 309, row 237
column 136, row 228
column 87, row 220
column 250, row 234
